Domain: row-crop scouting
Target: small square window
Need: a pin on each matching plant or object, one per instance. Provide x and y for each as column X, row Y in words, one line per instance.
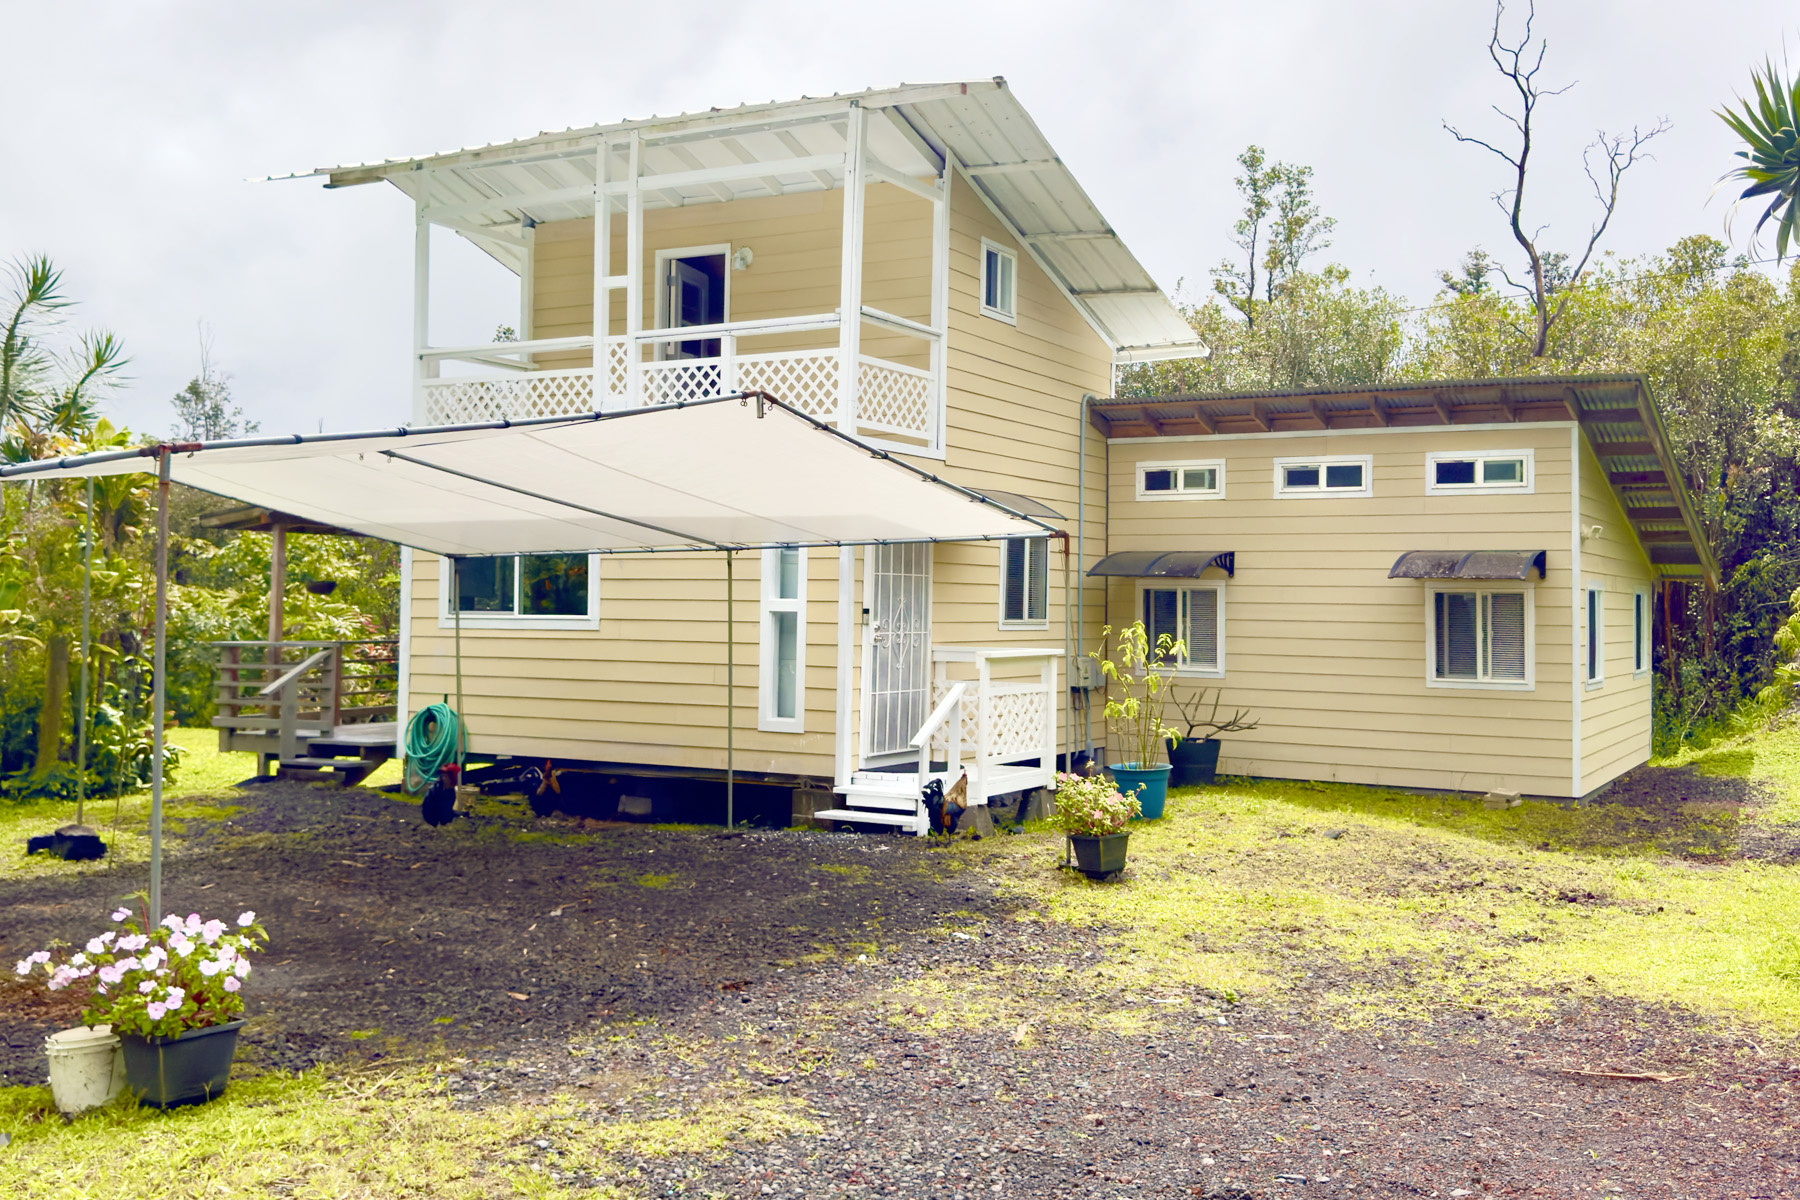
column 1203, row 480
column 999, row 281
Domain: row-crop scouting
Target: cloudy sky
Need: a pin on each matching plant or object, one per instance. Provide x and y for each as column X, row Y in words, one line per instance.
column 132, row 130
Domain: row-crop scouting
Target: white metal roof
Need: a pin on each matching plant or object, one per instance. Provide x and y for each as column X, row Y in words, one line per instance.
column 679, row 477
column 485, row 191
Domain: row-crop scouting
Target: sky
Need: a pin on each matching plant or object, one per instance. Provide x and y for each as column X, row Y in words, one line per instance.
column 135, row 130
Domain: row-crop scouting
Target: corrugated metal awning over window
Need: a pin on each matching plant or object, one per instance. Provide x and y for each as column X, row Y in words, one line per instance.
column 1165, row 564
column 1467, row 564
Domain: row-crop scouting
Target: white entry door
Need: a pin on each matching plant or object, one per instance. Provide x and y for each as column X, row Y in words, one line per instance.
column 899, row 647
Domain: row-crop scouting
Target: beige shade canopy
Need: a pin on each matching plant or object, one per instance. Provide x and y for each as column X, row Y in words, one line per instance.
column 731, row 473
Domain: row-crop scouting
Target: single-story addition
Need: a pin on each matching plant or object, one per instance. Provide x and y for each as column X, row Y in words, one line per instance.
column 1445, row 585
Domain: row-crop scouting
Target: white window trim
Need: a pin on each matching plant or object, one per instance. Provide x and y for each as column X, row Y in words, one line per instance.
column 1214, row 464
column 446, row 619
column 1593, row 613
column 1644, row 643
column 1322, row 461
column 1001, row 622
column 1524, row 488
column 999, row 314
column 1186, row 670
column 1527, row 684
column 766, row 720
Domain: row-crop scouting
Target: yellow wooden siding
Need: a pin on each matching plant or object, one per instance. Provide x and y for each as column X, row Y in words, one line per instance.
column 1328, row 651
column 1615, row 717
column 649, row 686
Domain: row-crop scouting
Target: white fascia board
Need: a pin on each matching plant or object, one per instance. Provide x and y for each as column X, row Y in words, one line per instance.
column 1130, row 355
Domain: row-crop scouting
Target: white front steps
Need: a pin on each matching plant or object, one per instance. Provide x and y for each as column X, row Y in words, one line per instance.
column 884, row 798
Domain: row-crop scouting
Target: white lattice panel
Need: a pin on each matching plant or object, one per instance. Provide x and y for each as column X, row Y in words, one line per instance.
column 893, row 398
column 806, row 379
column 1015, row 724
column 678, row 380
column 616, row 383
column 509, row 397
column 940, row 741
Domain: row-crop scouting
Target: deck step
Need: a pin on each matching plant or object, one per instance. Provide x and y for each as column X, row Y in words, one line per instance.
column 872, row 816
column 347, row 771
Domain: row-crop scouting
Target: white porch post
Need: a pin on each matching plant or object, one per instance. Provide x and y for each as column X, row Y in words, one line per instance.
column 634, row 271
column 422, row 370
column 845, row 762
column 603, row 282
column 527, row 281
column 940, row 297
column 850, row 282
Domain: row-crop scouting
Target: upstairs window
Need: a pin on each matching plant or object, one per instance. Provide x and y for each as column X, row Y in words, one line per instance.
column 1203, row 480
column 544, row 591
column 1025, row 583
column 999, row 282
column 1480, row 637
column 1343, row 476
column 1193, row 615
column 1498, row 471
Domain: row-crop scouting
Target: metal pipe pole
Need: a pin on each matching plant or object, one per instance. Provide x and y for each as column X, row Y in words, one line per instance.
column 462, row 723
column 730, row 695
column 159, row 692
column 87, row 605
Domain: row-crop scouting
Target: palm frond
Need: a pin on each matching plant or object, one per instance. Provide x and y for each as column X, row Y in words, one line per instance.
column 1770, row 131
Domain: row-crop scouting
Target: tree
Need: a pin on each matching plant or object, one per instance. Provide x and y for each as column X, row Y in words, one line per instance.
column 1771, row 132
column 204, row 411
column 1257, row 185
column 1298, row 231
column 1551, row 277
column 44, row 391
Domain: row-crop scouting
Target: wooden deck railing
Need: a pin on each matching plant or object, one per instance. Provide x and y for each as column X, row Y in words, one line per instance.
column 353, row 683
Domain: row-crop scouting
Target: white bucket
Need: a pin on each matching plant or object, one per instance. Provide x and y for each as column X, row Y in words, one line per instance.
column 87, row 1067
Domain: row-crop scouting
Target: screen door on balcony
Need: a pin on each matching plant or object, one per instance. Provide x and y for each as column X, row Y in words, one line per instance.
column 899, row 632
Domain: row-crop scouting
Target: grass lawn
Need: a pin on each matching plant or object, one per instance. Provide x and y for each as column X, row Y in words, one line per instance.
column 1361, row 907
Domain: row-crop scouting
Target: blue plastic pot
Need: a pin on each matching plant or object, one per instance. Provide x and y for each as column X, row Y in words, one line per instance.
column 1151, row 784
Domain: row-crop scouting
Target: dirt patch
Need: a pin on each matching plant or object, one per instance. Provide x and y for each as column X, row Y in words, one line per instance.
column 542, row 959
column 1681, row 811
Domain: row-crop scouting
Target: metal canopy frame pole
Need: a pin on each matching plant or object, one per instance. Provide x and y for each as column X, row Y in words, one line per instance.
column 87, row 608
column 159, row 691
column 730, row 693
column 462, row 722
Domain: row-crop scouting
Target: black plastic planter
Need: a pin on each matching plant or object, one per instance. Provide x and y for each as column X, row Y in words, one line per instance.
column 189, row 1068
column 1099, row 857
column 1195, row 761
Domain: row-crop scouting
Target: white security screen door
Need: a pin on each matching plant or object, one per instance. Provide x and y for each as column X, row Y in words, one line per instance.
column 899, row 631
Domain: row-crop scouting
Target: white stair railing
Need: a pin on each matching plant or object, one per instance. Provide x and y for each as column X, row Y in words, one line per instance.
column 949, row 709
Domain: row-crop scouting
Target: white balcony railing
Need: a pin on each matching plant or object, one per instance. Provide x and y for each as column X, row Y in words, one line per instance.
column 893, row 403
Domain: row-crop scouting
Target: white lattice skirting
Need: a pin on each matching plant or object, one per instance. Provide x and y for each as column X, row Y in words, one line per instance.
column 509, row 397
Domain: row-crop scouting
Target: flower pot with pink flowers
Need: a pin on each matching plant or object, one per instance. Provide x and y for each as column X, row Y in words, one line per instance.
column 172, row 992
column 1093, row 813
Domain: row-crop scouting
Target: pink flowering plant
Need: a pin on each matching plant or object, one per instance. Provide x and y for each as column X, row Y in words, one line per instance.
column 156, row 981
column 1090, row 806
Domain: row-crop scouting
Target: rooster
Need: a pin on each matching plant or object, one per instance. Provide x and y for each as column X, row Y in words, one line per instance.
column 945, row 809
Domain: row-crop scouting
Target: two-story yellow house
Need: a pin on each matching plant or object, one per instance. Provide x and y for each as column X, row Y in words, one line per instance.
column 914, row 266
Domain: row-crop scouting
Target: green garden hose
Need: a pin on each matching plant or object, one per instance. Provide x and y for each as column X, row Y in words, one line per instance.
column 433, row 739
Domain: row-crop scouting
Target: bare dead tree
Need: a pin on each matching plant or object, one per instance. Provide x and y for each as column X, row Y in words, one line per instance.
column 1550, row 286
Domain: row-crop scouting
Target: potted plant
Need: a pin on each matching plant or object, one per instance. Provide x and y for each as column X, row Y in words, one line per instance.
column 1138, row 675
column 171, row 992
column 1195, row 759
column 1094, row 814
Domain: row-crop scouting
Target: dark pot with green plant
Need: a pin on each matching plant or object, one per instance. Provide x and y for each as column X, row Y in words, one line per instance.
column 1193, row 757
column 1094, row 815
column 172, row 992
column 1135, row 680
